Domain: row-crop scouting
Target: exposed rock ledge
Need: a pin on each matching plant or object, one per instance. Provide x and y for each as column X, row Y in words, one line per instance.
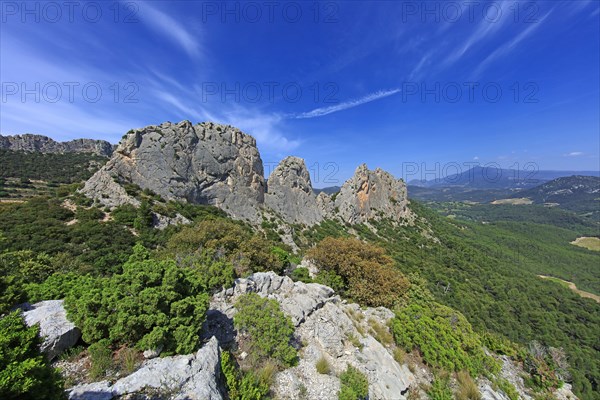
column 325, row 328
column 189, row 377
column 57, row 331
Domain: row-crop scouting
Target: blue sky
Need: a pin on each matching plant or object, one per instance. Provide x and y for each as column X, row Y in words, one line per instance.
column 393, row 84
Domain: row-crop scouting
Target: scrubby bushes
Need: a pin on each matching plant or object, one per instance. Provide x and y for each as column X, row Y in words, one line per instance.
column 268, row 328
column 354, row 385
column 443, row 336
column 24, row 372
column 244, row 385
column 366, row 273
column 248, row 252
column 152, row 304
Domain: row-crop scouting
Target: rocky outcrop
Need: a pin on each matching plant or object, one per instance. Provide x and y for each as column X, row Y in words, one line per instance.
column 204, row 164
column 371, row 195
column 332, row 332
column 190, row 377
column 219, row 165
column 326, row 327
column 44, row 144
column 290, row 193
column 58, row 333
column 297, row 299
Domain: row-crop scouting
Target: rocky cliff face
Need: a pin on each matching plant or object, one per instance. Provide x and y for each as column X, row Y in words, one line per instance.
column 290, row 193
column 219, row 165
column 371, row 195
column 203, row 164
column 44, row 144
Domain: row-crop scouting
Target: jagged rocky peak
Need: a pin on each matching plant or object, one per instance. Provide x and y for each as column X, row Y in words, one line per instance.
column 43, row 144
column 290, row 193
column 372, row 195
column 206, row 163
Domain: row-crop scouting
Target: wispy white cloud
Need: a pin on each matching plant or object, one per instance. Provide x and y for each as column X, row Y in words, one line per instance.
column 319, row 112
column 418, row 69
column 574, row 154
column 509, row 46
column 484, row 29
column 168, row 26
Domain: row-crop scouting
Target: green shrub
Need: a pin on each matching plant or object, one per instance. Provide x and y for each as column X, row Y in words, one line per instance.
column 151, row 304
column 301, row 274
column 354, row 385
column 88, row 214
column 24, row 372
column 268, row 328
column 508, row 388
column 56, row 287
column 439, row 389
column 443, row 336
column 124, row 214
column 243, row 386
column 11, row 292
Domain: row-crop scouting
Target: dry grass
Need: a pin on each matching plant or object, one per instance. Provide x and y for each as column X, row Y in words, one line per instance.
column 590, row 243
column 355, row 341
column 128, row 360
column 467, row 388
column 268, row 371
column 399, row 355
column 514, row 202
column 381, row 333
column 323, row 366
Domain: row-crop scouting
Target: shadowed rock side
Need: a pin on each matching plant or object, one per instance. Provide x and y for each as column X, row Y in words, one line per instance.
column 205, row 164
column 371, row 195
column 290, row 193
column 43, row 144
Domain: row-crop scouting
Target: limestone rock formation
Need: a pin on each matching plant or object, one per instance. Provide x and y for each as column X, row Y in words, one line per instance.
column 325, row 326
column 290, row 193
column 205, row 164
column 297, row 299
column 190, row 377
column 371, row 195
column 44, row 144
column 219, row 165
column 58, row 333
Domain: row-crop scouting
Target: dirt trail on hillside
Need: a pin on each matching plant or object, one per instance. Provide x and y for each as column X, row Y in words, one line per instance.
column 573, row 287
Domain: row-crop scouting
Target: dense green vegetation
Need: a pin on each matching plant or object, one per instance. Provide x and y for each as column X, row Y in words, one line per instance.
column 269, row 330
column 474, row 270
column 152, row 304
column 443, row 336
column 41, row 225
column 56, row 168
column 353, row 385
column 519, row 213
column 24, row 372
column 248, row 385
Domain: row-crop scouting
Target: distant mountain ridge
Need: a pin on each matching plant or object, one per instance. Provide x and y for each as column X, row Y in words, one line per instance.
column 576, row 193
column 42, row 144
column 496, row 178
